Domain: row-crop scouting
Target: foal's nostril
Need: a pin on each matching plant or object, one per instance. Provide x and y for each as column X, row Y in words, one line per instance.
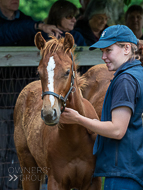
column 42, row 114
column 55, row 114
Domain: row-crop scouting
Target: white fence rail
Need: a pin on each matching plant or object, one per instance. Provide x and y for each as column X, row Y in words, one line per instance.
column 30, row 56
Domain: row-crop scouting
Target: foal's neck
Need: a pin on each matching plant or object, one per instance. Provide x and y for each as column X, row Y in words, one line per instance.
column 75, row 101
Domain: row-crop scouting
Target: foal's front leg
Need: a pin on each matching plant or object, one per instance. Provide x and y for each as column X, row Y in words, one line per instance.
column 31, row 173
column 54, row 185
column 96, row 184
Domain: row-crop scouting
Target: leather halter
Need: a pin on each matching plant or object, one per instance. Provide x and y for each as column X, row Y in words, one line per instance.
column 60, row 97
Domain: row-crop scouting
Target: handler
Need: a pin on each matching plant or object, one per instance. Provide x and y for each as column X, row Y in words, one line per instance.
column 119, row 144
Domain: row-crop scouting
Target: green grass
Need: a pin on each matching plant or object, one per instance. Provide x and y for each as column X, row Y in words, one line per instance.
column 103, row 179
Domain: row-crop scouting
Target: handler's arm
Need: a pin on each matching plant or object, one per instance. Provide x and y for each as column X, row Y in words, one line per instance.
column 115, row 129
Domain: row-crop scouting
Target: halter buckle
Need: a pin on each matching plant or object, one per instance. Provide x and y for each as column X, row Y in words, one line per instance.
column 73, row 74
column 59, row 96
column 73, row 90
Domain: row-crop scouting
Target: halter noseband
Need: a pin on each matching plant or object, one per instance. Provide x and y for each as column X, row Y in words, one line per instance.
column 64, row 99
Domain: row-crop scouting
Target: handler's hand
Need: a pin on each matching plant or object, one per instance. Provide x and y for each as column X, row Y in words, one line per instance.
column 69, row 116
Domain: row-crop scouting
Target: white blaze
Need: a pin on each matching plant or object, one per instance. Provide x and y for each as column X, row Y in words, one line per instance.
column 50, row 70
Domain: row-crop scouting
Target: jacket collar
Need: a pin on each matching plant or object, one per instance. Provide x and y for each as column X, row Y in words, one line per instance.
column 127, row 65
column 17, row 15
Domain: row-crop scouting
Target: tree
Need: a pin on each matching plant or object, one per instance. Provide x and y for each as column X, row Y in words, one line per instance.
column 39, row 10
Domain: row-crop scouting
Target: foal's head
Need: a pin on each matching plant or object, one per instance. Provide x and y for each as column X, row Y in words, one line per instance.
column 56, row 74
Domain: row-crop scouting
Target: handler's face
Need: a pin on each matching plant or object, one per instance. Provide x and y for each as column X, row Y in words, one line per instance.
column 10, row 5
column 114, row 56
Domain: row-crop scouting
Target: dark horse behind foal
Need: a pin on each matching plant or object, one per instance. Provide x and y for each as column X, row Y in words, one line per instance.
column 44, row 146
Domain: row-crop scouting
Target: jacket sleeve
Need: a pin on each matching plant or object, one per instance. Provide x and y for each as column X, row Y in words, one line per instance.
column 11, row 32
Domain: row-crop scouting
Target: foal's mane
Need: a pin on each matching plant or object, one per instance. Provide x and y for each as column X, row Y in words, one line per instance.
column 55, row 45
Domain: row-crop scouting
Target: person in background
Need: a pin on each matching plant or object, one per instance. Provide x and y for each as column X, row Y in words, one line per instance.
column 119, row 143
column 92, row 24
column 18, row 29
column 134, row 20
column 63, row 15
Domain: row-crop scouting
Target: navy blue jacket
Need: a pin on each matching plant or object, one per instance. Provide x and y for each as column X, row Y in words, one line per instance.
column 123, row 158
column 78, row 38
column 18, row 32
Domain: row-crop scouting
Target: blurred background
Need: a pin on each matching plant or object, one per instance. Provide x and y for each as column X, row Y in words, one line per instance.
column 39, row 9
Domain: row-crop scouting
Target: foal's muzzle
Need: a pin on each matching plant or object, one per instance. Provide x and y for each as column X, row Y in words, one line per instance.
column 49, row 118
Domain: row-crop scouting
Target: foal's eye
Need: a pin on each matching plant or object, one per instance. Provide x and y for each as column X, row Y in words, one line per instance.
column 67, row 73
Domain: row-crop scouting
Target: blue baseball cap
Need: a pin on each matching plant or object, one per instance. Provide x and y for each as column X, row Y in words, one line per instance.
column 113, row 34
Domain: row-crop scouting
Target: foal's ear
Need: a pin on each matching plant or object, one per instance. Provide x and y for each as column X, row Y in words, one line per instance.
column 39, row 41
column 68, row 41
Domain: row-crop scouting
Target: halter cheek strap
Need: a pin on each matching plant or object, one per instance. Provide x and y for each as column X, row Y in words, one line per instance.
column 64, row 99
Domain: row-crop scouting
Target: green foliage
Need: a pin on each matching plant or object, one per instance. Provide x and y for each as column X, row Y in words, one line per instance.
column 76, row 2
column 39, row 10
column 103, row 180
column 132, row 2
column 127, row 2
